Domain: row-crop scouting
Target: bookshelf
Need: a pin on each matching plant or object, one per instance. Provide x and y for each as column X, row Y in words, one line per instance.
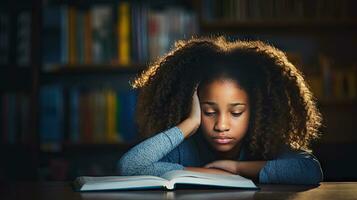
column 280, row 27
column 20, row 62
column 103, row 46
column 63, row 58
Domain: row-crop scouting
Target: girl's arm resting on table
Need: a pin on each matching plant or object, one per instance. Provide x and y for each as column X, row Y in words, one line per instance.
column 207, row 170
column 248, row 169
column 143, row 159
column 292, row 168
column 289, row 168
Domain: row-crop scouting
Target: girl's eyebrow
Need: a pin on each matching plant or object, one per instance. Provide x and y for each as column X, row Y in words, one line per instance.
column 213, row 103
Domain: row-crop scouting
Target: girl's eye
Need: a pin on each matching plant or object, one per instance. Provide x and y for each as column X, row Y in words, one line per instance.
column 237, row 114
column 209, row 113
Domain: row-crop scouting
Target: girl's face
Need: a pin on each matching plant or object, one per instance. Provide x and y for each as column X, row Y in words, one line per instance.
column 225, row 114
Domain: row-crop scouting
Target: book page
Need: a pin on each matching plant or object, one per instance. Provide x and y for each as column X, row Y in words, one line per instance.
column 98, row 179
column 185, row 173
column 119, row 182
column 199, row 178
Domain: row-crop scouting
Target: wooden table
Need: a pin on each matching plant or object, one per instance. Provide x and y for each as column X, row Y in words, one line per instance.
column 63, row 191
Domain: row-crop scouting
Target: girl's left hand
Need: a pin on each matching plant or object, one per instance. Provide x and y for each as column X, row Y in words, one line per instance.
column 227, row 165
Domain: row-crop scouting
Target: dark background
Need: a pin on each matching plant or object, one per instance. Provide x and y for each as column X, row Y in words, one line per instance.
column 319, row 36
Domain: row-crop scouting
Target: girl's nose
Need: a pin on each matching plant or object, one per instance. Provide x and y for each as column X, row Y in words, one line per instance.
column 221, row 124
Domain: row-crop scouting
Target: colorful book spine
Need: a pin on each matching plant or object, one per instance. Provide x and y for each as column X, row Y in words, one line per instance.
column 80, row 22
column 72, row 30
column 123, row 33
column 102, row 33
column 130, row 32
column 86, row 118
column 102, row 116
column 112, row 136
column 51, row 118
column 88, row 37
column 127, row 126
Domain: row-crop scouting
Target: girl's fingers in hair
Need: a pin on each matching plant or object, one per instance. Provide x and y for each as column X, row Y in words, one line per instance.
column 196, row 108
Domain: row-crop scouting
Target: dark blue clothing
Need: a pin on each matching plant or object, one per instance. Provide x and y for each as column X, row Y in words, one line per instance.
column 168, row 151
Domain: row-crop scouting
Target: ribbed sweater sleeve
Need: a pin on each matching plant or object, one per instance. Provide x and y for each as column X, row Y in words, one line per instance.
column 292, row 168
column 145, row 158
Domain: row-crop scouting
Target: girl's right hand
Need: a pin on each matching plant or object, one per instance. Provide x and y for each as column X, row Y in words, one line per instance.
column 195, row 114
column 190, row 125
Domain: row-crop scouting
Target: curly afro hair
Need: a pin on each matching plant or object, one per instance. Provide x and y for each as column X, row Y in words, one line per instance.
column 283, row 109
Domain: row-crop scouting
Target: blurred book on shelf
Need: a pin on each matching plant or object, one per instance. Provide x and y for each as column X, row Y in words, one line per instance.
column 95, row 116
column 23, row 38
column 329, row 81
column 51, row 117
column 15, row 118
column 339, row 83
column 4, row 38
column 120, row 33
column 15, row 27
column 277, row 10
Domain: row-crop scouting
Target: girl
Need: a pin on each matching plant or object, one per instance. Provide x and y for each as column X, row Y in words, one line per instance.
column 216, row 106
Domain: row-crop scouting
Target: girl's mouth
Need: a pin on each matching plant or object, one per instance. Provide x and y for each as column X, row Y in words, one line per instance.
column 222, row 140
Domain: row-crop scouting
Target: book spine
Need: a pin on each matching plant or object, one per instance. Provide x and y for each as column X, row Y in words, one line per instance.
column 23, row 40
column 64, row 34
column 118, row 116
column 80, row 36
column 51, row 118
column 72, row 31
column 53, row 36
column 128, row 128
column 88, row 37
column 124, row 33
column 85, row 121
column 111, row 108
column 74, row 116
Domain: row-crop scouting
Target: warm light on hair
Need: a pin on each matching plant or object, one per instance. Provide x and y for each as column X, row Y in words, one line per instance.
column 284, row 107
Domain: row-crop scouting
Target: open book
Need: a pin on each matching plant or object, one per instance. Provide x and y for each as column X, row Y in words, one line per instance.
column 169, row 180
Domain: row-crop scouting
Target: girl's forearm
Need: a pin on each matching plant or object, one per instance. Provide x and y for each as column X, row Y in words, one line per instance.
column 250, row 169
column 188, row 127
column 207, row 170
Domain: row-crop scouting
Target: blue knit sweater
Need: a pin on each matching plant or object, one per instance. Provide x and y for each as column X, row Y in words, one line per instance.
column 168, row 151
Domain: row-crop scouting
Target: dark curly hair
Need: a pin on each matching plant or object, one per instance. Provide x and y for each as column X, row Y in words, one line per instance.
column 283, row 110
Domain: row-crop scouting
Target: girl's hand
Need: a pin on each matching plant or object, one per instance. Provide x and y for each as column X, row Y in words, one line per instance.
column 207, row 170
column 249, row 169
column 226, row 165
column 190, row 125
column 195, row 114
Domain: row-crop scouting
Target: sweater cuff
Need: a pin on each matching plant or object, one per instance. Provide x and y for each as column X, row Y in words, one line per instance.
column 265, row 173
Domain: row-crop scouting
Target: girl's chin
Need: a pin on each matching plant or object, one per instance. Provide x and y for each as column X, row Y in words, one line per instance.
column 222, row 148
